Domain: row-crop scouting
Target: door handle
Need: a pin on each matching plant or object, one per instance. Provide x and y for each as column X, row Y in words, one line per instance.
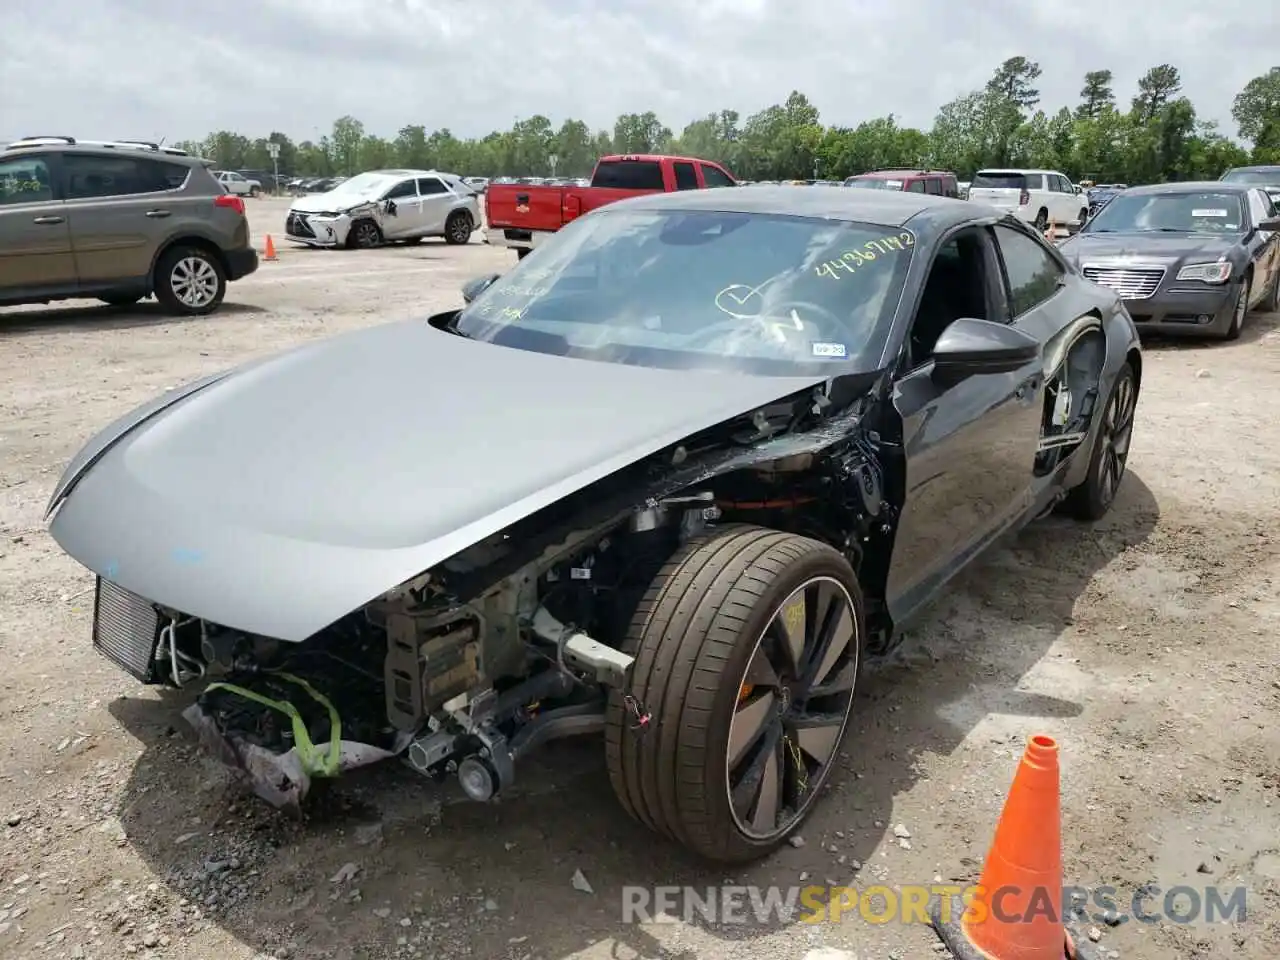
column 47, row 220
column 157, row 213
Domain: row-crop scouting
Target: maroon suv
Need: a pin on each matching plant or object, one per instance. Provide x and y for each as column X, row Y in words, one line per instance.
column 939, row 183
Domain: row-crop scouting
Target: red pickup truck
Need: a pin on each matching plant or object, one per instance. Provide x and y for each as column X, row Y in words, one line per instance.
column 522, row 215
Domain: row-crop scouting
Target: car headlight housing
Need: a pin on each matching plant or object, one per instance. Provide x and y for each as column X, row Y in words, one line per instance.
column 1217, row 272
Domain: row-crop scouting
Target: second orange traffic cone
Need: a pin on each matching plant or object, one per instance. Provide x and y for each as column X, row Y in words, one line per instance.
column 271, row 249
column 1017, row 912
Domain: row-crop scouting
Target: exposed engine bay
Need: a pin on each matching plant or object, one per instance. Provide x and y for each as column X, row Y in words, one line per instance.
column 518, row 639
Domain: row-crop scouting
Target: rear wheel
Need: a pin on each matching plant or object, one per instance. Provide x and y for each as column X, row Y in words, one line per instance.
column 190, row 281
column 748, row 646
column 457, row 229
column 1093, row 498
column 521, row 253
column 1042, row 220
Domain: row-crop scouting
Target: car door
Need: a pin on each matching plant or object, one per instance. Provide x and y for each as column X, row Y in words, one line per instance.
column 120, row 209
column 969, row 448
column 1071, row 202
column 437, row 202
column 1264, row 246
column 403, row 211
column 35, row 238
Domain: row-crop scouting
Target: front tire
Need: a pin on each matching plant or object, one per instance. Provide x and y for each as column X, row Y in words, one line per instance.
column 1272, row 303
column 364, row 235
column 190, row 281
column 748, row 646
column 1092, row 499
column 1042, row 221
column 1240, row 309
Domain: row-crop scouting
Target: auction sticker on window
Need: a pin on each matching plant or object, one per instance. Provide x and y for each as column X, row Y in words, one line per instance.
column 1208, row 213
column 829, row 351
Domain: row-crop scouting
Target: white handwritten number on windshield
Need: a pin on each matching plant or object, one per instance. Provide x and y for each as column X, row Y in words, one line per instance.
column 851, row 260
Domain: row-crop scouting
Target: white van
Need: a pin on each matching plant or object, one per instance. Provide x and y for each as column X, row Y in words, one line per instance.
column 1039, row 197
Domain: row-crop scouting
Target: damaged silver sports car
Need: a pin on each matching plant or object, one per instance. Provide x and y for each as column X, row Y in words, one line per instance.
column 672, row 480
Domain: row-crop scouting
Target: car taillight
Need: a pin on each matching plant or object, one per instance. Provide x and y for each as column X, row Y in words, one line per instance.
column 230, row 200
column 1024, row 197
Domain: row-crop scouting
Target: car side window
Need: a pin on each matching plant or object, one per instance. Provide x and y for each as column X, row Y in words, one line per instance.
column 24, row 180
column 686, row 177
column 90, row 177
column 956, row 287
column 714, row 177
column 1032, row 273
column 405, row 188
column 163, row 176
column 1257, row 208
column 915, row 186
column 431, row 186
column 933, row 185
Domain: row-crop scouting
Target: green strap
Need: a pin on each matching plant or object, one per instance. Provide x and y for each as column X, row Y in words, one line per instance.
column 315, row 763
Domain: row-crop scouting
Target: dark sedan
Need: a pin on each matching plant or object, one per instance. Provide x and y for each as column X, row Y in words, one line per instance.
column 1188, row 258
column 1266, row 176
column 718, row 447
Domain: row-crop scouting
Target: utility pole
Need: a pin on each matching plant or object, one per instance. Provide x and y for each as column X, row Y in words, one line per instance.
column 273, row 149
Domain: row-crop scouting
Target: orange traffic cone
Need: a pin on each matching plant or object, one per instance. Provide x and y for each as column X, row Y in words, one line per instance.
column 271, row 249
column 1017, row 911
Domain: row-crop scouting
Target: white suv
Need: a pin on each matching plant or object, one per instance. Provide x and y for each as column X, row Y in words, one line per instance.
column 1040, row 197
column 235, row 183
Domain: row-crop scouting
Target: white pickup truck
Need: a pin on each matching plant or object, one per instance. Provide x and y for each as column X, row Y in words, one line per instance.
column 237, row 184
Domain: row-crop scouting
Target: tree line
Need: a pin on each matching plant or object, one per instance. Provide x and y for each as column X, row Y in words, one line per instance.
column 1155, row 137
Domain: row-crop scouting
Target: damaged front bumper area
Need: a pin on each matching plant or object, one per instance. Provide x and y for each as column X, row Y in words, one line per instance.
column 275, row 746
column 279, row 729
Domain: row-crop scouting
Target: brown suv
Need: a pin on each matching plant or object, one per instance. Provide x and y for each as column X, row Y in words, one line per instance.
column 939, row 183
column 117, row 221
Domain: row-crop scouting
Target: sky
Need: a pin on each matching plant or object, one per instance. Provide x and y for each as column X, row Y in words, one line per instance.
column 154, row 69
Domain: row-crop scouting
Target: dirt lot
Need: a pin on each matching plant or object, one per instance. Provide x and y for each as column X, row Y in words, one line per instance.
column 1146, row 645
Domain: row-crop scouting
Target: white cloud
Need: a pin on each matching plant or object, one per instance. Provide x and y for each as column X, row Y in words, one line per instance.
column 140, row 68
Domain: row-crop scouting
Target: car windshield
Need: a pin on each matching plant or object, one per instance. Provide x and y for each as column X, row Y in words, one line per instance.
column 995, row 180
column 1206, row 212
column 873, row 183
column 753, row 293
column 1254, row 178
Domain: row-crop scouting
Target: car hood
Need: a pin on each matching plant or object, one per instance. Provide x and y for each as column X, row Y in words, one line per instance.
column 1163, row 247
column 283, row 495
column 335, row 201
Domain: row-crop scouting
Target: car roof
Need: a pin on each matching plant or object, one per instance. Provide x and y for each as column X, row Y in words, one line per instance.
column 913, row 172
column 45, row 144
column 1190, row 186
column 1257, row 168
column 828, row 202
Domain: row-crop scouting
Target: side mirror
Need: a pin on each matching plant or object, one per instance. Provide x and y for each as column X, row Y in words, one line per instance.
column 473, row 288
column 970, row 347
column 1270, row 226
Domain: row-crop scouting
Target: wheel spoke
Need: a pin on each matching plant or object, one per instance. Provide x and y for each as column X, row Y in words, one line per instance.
column 749, row 786
column 749, row 723
column 818, row 735
column 793, row 620
column 840, row 681
column 830, row 638
column 760, row 672
column 764, row 817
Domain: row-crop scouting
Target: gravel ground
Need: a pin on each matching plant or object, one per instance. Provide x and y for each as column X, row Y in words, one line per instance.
column 1145, row 644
